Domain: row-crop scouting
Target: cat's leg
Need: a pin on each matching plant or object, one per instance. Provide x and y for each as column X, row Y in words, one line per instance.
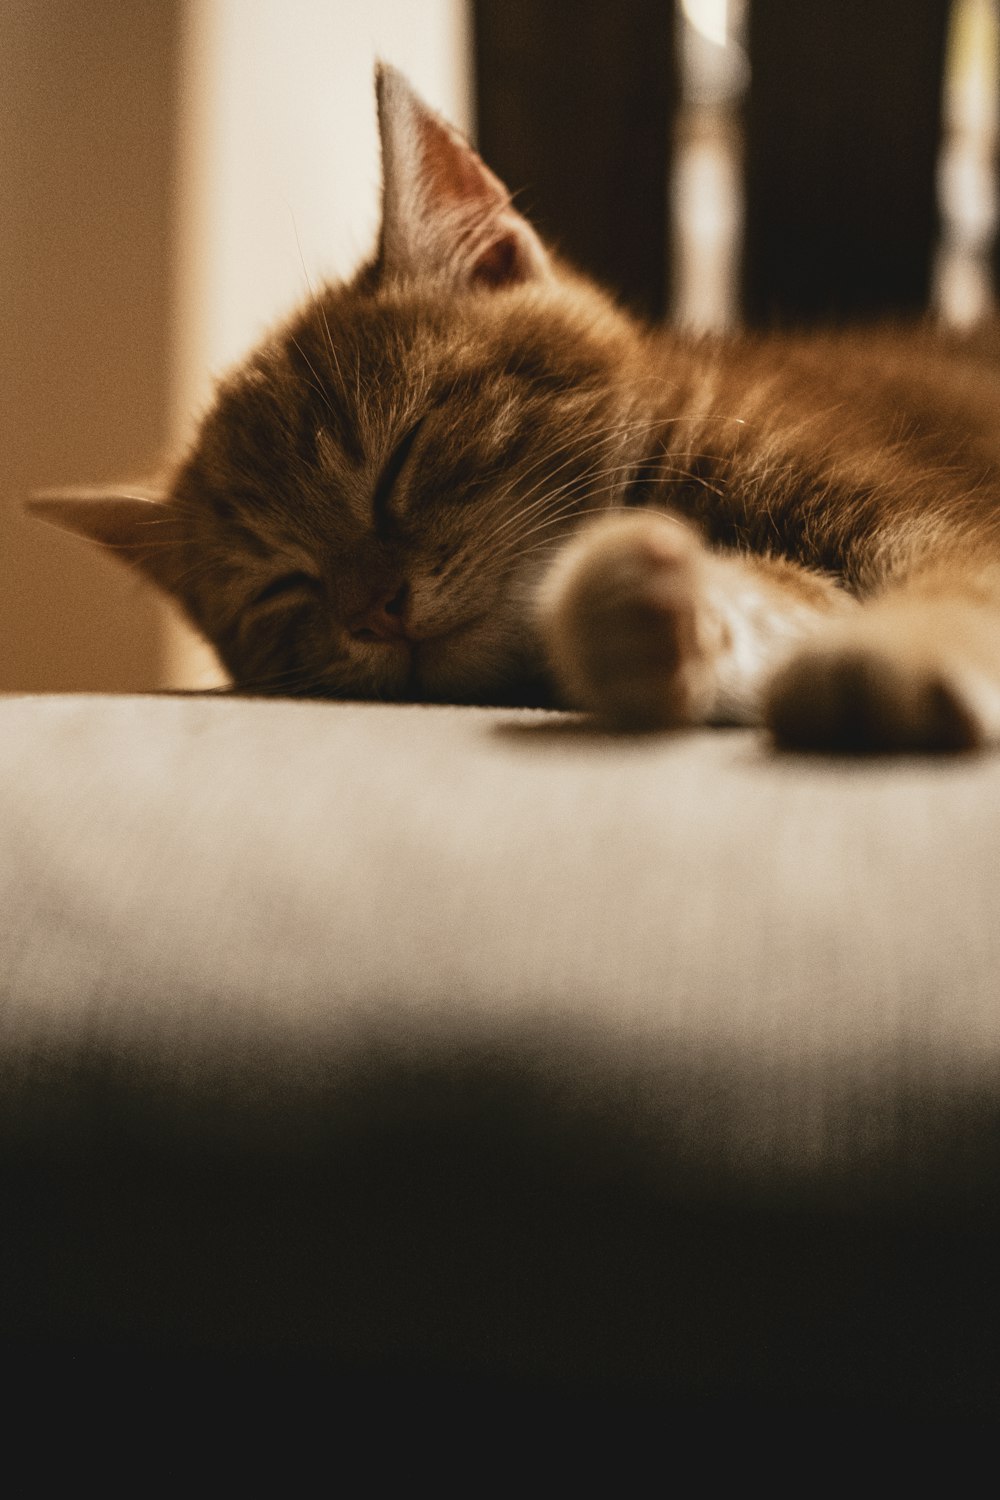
column 646, row 627
column 917, row 668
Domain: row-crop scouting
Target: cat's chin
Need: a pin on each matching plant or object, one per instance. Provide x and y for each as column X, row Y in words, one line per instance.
column 475, row 662
column 471, row 665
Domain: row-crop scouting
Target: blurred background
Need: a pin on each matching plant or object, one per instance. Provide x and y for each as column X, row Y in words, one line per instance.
column 175, row 173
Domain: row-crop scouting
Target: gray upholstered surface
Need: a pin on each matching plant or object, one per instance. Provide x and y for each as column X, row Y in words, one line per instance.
column 201, row 874
column 620, row 978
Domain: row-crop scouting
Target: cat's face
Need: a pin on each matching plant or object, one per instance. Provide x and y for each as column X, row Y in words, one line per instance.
column 376, row 493
column 376, row 490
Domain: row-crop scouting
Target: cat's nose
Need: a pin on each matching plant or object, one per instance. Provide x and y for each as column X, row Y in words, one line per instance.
column 383, row 618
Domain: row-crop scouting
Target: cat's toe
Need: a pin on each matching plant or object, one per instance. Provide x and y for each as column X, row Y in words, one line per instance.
column 622, row 616
column 867, row 699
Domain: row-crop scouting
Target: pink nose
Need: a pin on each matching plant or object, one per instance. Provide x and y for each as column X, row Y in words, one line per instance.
column 383, row 619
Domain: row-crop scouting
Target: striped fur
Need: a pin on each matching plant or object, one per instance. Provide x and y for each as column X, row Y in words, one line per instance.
column 467, row 474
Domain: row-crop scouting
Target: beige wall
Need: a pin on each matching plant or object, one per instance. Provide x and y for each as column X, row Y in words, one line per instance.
column 279, row 171
column 86, row 109
column 172, row 171
column 279, row 153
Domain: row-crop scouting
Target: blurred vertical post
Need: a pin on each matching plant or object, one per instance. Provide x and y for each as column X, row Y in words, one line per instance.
column 575, row 105
column 843, row 131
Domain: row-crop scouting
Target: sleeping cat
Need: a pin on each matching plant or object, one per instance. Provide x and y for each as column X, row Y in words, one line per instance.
column 467, row 475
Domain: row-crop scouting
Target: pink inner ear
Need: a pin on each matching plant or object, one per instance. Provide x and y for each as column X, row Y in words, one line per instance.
column 444, row 211
column 453, row 171
column 501, row 264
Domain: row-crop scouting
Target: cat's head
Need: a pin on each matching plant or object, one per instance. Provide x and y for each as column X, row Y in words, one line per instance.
column 370, row 500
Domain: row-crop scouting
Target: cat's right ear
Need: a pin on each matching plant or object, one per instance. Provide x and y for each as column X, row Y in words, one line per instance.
column 445, row 215
column 130, row 524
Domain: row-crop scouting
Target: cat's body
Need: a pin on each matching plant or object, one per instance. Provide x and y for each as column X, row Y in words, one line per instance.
column 467, row 475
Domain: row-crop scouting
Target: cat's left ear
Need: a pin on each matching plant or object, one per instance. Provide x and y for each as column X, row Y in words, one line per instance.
column 130, row 523
column 444, row 213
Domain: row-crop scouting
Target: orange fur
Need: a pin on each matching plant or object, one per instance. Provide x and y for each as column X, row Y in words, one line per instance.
column 467, row 474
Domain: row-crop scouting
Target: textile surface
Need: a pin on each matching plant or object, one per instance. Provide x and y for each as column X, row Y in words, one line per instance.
column 478, row 1039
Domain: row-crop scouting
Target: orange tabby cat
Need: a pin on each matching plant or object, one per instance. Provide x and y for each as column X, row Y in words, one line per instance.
column 466, row 474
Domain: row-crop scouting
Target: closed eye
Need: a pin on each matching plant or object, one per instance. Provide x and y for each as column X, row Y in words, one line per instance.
column 390, row 474
column 288, row 584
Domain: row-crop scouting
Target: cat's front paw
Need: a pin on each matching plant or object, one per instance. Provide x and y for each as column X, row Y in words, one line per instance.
column 869, row 698
column 625, row 624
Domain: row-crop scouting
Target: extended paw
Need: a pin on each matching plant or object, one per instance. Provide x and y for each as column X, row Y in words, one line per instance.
column 868, row 698
column 625, row 624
